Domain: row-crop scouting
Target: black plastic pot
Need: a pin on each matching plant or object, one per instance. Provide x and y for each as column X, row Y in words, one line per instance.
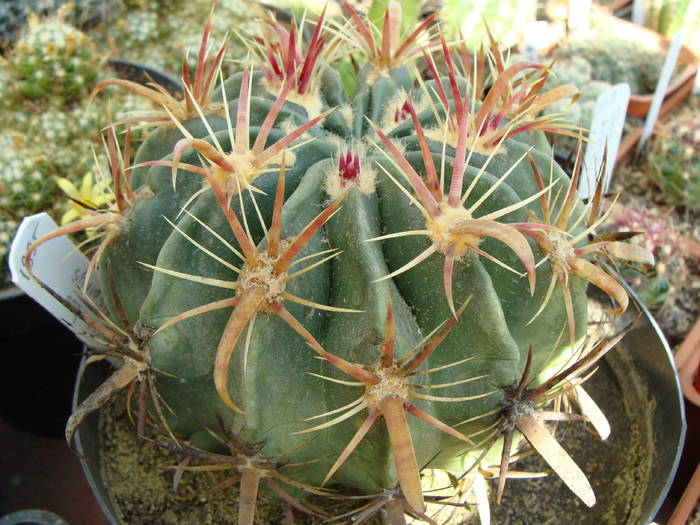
column 645, row 345
column 40, row 357
column 87, row 439
column 32, row 517
column 143, row 74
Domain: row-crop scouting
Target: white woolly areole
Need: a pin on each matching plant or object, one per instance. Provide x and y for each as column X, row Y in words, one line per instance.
column 556, row 244
column 395, row 105
column 440, row 229
column 263, row 275
column 392, row 383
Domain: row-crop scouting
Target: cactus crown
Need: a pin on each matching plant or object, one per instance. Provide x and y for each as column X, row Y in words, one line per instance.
column 285, row 260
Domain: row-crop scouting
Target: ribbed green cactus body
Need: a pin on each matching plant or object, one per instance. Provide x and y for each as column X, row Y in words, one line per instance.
column 271, row 372
column 145, row 229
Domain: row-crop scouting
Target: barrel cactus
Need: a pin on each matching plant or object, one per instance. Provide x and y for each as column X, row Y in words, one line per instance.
column 287, row 264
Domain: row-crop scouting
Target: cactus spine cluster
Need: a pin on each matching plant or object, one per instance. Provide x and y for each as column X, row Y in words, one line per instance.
column 323, row 289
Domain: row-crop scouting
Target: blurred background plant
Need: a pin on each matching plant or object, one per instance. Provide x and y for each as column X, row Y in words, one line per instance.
column 506, row 18
column 615, row 60
column 150, row 24
column 666, row 288
column 15, row 13
column 660, row 195
column 674, row 158
column 53, row 55
column 670, row 16
column 575, row 70
column 53, row 59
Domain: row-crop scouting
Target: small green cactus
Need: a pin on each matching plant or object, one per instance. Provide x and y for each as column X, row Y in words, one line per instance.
column 26, row 186
column 674, row 159
column 668, row 17
column 151, row 26
column 53, row 58
column 7, row 231
column 663, row 287
column 615, row 60
column 15, row 13
column 319, row 289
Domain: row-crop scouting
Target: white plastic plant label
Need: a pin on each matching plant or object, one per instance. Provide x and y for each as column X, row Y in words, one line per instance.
column 661, row 86
column 696, row 83
column 58, row 264
column 579, row 15
column 639, row 11
column 533, row 39
column 606, row 133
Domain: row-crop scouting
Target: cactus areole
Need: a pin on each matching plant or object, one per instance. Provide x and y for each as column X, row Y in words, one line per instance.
column 327, row 292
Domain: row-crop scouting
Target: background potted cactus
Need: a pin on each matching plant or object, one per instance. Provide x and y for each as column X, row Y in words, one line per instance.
column 621, row 51
column 322, row 292
column 661, row 200
column 57, row 53
column 673, row 158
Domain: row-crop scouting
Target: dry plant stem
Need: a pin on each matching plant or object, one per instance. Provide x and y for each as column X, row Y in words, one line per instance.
column 395, row 513
column 248, row 495
column 120, row 379
column 548, row 447
column 402, row 446
column 119, row 342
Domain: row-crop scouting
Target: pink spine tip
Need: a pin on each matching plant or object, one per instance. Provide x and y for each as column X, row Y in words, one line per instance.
column 348, row 168
column 403, row 112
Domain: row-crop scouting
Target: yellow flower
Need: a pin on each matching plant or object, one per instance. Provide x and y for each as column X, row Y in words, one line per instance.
column 90, row 197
